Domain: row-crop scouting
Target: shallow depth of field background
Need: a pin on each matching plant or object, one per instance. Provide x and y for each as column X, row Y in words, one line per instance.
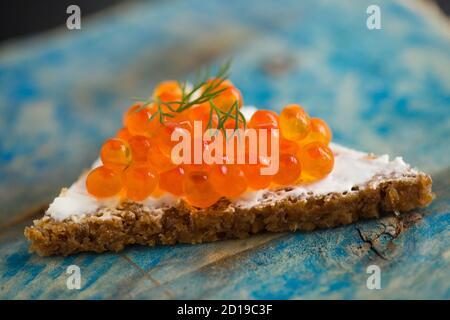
column 62, row 93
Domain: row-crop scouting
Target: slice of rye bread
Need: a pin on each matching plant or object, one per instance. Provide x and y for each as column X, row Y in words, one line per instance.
column 112, row 228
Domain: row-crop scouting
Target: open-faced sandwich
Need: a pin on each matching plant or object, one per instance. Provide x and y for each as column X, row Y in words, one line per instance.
column 193, row 165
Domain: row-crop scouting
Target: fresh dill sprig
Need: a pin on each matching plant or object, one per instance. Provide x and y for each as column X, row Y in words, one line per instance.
column 203, row 90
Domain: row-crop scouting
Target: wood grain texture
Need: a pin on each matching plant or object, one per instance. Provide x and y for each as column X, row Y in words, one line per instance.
column 386, row 91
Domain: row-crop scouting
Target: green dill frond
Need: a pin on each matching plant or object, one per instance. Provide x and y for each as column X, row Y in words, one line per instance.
column 203, row 90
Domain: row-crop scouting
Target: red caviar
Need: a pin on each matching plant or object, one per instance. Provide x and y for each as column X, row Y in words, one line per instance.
column 317, row 161
column 287, row 146
column 320, row 131
column 158, row 160
column 229, row 94
column 198, row 189
column 163, row 136
column 139, row 181
column 138, row 162
column 115, row 154
column 264, row 119
column 140, row 146
column 289, row 170
column 202, row 113
column 137, row 119
column 252, row 170
column 172, row 181
column 103, row 182
column 228, row 180
column 168, row 91
column 294, row 122
column 123, row 134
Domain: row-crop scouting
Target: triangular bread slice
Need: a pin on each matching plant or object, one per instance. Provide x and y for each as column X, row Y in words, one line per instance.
column 360, row 186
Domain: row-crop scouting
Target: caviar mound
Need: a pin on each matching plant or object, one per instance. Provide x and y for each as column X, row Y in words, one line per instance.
column 296, row 142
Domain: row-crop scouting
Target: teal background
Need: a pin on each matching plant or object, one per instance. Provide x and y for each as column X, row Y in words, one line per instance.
column 387, row 91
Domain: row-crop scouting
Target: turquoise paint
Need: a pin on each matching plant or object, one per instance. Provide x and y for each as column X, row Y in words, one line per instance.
column 385, row 91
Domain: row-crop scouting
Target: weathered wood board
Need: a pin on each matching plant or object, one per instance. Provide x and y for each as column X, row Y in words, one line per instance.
column 386, row 91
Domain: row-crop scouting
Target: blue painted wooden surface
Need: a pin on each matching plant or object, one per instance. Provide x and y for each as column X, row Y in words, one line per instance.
column 386, row 91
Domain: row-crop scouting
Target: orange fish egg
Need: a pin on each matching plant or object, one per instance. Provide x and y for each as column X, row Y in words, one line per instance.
column 230, row 123
column 196, row 167
column 168, row 91
column 320, row 132
column 137, row 119
column 268, row 120
column 198, row 190
column 158, row 160
column 115, row 154
column 123, row 134
column 140, row 146
column 103, row 182
column 255, row 179
column 172, row 181
column 289, row 170
column 163, row 136
column 228, row 180
column 294, row 122
column 139, row 181
column 202, row 113
column 227, row 97
column 192, row 167
column 287, row 146
column 264, row 119
column 317, row 161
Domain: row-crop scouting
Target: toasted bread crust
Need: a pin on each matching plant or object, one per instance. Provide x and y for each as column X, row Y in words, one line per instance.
column 131, row 223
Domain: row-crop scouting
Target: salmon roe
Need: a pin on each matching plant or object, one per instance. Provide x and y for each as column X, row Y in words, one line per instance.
column 139, row 181
column 198, row 190
column 115, row 154
column 264, row 119
column 137, row 119
column 317, row 161
column 123, row 134
column 252, row 172
column 202, row 113
column 223, row 176
column 288, row 146
column 163, row 137
column 138, row 162
column 229, row 94
column 140, row 146
column 288, row 171
column 168, row 91
column 294, row 122
column 320, row 131
column 172, row 181
column 158, row 160
column 103, row 182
